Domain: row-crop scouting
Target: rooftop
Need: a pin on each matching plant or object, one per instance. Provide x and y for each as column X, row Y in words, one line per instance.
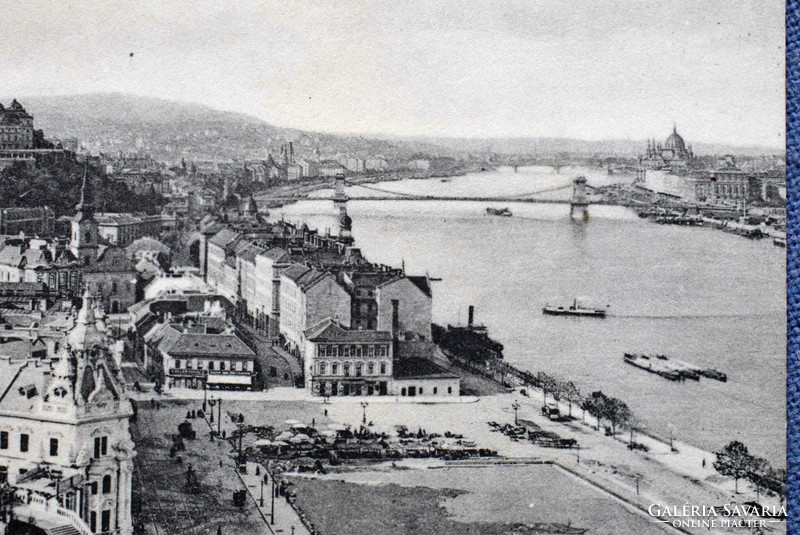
column 419, row 368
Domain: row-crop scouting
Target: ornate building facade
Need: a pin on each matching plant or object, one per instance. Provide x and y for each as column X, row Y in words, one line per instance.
column 672, row 154
column 16, row 127
column 65, row 445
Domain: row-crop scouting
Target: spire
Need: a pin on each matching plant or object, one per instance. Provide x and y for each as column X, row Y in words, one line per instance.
column 674, row 127
column 84, row 335
column 85, row 204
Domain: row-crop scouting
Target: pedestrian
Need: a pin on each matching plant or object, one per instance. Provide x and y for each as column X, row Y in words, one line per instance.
column 326, row 413
column 219, row 530
column 704, row 463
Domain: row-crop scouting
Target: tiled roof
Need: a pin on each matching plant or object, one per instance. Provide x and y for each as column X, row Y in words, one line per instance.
column 223, row 238
column 328, row 330
column 419, row 368
column 189, row 344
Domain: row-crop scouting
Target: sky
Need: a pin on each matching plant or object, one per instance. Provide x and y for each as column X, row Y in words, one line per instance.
column 464, row 68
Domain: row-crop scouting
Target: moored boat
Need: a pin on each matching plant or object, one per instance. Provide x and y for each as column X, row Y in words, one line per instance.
column 502, row 212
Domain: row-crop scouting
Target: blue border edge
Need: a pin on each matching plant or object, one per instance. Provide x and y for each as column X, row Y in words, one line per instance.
column 792, row 262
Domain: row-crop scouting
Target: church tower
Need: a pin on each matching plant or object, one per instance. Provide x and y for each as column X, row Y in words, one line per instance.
column 83, row 241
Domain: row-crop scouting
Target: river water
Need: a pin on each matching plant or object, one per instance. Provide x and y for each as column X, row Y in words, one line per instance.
column 707, row 297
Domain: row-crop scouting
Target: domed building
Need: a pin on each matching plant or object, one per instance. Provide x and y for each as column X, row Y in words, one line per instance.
column 672, row 154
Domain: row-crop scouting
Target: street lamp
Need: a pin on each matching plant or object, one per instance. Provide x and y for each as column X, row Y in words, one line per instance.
column 515, row 406
column 364, row 406
column 205, row 395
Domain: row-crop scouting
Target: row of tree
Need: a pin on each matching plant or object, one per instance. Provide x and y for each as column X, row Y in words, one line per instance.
column 598, row 404
column 734, row 460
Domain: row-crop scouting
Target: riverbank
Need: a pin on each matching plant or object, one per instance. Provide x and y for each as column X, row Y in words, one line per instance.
column 638, row 479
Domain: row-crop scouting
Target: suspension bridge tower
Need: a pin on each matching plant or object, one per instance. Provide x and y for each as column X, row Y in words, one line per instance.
column 579, row 204
column 340, row 202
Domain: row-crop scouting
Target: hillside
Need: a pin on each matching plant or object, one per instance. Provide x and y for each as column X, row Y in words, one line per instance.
column 170, row 131
column 111, row 122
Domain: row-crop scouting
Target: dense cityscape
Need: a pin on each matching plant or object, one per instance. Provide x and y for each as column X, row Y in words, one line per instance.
column 190, row 312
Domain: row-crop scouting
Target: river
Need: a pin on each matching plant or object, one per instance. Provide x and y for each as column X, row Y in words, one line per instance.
column 708, row 297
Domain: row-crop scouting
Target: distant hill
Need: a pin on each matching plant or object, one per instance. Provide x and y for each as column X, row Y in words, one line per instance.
column 112, row 122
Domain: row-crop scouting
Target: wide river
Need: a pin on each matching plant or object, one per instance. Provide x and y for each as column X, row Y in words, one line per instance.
column 707, row 297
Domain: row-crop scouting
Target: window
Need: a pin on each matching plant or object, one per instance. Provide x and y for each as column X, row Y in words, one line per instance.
column 100, row 446
column 106, row 485
column 335, row 368
column 244, row 366
column 359, row 369
column 222, row 366
column 94, row 487
column 322, row 368
column 23, row 442
column 383, row 368
column 53, row 447
column 199, row 364
column 211, row 366
column 3, row 440
column 371, row 368
column 177, row 364
column 105, row 520
column 114, row 287
column 347, row 369
column 449, row 389
column 435, row 390
column 371, row 350
column 93, row 521
column 345, row 351
column 420, row 391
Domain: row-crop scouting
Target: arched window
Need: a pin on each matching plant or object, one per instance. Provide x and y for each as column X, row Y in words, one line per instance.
column 106, row 484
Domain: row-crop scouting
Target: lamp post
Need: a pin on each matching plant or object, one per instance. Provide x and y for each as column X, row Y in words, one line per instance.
column 261, row 499
column 364, row 406
column 515, row 406
column 219, row 416
column 272, row 508
column 205, row 394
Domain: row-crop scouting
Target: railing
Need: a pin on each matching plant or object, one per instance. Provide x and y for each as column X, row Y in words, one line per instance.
column 51, row 505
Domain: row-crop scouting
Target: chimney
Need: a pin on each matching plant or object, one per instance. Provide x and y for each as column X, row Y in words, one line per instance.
column 395, row 318
column 471, row 316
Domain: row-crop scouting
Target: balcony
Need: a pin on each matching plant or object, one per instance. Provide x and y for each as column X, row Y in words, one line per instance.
column 49, row 516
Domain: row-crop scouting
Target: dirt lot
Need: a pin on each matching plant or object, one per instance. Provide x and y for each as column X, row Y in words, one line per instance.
column 160, row 497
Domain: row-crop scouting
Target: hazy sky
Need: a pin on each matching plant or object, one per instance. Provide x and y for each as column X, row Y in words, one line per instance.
column 589, row 69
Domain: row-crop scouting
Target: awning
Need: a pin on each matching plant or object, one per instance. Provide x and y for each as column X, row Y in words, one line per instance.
column 229, row 379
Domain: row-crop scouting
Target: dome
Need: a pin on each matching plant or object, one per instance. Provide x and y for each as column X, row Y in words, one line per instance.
column 675, row 142
column 85, row 335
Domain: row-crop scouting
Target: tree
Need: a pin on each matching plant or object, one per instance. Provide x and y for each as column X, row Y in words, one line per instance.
column 572, row 394
column 734, row 461
column 618, row 413
column 760, row 472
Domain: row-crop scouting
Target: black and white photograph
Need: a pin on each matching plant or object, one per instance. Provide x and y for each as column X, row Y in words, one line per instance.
column 362, row 267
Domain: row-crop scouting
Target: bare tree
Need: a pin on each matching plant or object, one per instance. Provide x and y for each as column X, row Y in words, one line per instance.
column 734, row 461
